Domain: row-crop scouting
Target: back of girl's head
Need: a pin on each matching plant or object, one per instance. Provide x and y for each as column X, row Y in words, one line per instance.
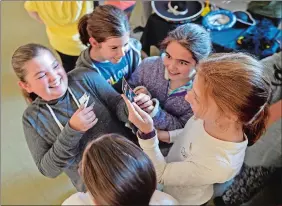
column 193, row 37
column 117, row 172
column 237, row 84
column 104, row 22
column 20, row 57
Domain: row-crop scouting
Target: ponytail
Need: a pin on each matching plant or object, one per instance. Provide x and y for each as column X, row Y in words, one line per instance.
column 257, row 126
column 104, row 22
column 82, row 29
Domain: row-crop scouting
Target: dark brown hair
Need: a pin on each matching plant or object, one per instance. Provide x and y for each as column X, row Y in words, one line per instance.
column 20, row 57
column 104, row 22
column 237, row 84
column 117, row 172
column 192, row 37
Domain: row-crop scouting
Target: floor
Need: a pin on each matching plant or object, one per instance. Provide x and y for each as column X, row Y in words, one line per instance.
column 21, row 183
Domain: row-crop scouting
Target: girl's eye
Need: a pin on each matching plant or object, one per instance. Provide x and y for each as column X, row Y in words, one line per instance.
column 41, row 76
column 183, row 63
column 167, row 55
column 56, row 66
column 114, row 48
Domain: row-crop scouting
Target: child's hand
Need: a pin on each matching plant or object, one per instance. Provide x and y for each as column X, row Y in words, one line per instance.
column 144, row 102
column 83, row 119
column 138, row 117
column 141, row 90
column 163, row 136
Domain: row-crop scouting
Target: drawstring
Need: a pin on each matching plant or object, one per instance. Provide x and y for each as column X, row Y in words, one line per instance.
column 53, row 114
column 74, row 98
column 55, row 118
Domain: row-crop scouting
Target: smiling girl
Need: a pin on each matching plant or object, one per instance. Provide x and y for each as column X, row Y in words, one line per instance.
column 111, row 53
column 230, row 100
column 168, row 78
column 58, row 124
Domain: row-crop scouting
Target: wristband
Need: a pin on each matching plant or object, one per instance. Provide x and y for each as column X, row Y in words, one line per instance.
column 144, row 136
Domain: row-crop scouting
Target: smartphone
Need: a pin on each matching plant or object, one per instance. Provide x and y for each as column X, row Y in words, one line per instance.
column 127, row 90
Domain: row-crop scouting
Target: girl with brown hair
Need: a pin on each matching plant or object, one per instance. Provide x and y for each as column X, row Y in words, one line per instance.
column 117, row 172
column 230, row 99
column 69, row 111
column 111, row 53
column 168, row 78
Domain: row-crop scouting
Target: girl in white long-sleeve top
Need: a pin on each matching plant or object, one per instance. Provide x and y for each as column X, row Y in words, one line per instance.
column 229, row 99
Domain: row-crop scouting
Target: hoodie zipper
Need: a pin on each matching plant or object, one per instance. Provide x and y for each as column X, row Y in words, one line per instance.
column 166, row 95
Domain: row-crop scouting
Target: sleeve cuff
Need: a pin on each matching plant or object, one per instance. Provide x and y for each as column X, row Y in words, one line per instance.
column 156, row 107
column 70, row 136
column 149, row 143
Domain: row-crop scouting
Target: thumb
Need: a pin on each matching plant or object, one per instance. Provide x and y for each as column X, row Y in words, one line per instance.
column 128, row 104
column 132, row 113
column 81, row 107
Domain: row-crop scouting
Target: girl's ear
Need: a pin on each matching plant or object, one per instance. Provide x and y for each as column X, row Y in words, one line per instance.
column 24, row 86
column 93, row 42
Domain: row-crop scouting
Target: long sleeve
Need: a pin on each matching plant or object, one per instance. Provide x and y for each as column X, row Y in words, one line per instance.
column 184, row 173
column 51, row 159
column 143, row 74
column 110, row 97
column 163, row 120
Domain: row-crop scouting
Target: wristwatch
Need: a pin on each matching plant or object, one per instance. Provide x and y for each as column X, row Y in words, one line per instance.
column 144, row 136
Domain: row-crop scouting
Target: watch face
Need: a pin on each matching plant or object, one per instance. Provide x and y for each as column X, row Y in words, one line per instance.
column 218, row 19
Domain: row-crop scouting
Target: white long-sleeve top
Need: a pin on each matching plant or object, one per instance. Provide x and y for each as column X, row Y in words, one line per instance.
column 195, row 162
column 81, row 198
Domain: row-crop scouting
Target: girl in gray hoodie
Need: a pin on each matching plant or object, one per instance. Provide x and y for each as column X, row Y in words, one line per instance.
column 70, row 110
column 111, row 52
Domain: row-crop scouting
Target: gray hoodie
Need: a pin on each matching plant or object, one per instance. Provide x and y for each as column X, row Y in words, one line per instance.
column 114, row 72
column 55, row 151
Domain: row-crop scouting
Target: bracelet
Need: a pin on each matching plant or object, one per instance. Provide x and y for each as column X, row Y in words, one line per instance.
column 144, row 136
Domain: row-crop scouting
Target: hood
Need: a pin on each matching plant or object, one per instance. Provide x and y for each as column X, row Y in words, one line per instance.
column 84, row 60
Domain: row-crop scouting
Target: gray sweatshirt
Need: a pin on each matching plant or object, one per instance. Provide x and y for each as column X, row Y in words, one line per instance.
column 173, row 111
column 55, row 151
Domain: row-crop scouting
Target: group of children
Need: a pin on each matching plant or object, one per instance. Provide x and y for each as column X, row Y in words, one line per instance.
column 209, row 106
